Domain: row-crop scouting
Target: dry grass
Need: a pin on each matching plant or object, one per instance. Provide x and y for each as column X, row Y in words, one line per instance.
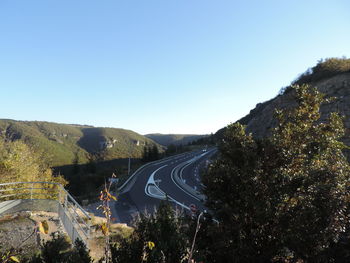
column 97, row 240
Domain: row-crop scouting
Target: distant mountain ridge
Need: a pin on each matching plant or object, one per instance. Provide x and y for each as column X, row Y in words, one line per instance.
column 176, row 139
column 64, row 144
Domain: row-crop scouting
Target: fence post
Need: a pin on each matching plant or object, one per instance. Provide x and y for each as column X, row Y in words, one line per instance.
column 59, row 194
column 65, row 203
column 31, row 192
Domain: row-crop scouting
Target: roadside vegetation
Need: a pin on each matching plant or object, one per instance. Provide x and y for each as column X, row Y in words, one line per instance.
column 284, row 198
column 19, row 163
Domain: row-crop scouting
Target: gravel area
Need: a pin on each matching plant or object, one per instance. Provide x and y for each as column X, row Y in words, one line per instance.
column 16, row 228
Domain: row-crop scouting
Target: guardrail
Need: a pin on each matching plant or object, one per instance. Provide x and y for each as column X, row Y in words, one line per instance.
column 50, row 197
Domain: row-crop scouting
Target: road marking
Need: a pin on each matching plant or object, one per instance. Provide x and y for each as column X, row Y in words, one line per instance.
column 129, row 182
column 182, row 166
column 159, row 192
column 174, row 181
column 151, row 183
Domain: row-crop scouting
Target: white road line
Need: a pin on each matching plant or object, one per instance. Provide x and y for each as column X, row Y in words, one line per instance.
column 160, row 193
column 184, row 165
column 163, row 196
column 174, row 181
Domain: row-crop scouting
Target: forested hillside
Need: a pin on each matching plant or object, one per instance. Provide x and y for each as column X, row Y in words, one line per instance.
column 65, row 144
column 175, row 139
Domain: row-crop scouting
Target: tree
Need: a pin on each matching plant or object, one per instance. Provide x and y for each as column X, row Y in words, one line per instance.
column 150, row 153
column 19, row 163
column 171, row 149
column 145, row 154
column 157, row 238
column 75, row 169
column 154, row 153
column 282, row 197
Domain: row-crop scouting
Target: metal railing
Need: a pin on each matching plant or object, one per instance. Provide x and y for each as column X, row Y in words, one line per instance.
column 50, row 197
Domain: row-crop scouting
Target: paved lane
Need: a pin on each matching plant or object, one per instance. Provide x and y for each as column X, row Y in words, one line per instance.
column 156, row 180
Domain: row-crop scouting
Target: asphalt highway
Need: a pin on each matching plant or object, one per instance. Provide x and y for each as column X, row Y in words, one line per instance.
column 175, row 178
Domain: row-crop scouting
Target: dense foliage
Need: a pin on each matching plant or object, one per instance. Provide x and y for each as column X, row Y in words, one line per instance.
column 59, row 250
column 150, row 153
column 157, row 238
column 284, row 197
column 19, row 163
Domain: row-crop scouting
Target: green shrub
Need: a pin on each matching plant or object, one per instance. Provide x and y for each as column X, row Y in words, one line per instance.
column 164, row 229
column 59, row 250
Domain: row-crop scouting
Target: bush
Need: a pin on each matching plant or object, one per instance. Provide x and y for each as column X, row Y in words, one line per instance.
column 164, row 229
column 19, row 163
column 59, row 250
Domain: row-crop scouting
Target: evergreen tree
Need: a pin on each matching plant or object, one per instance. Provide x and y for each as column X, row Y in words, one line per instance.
column 154, row 153
column 91, row 165
column 75, row 169
column 171, row 149
column 145, row 154
column 150, row 153
column 284, row 197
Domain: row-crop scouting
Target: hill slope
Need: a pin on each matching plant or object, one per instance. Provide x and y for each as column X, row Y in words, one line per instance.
column 176, row 139
column 337, row 86
column 64, row 144
column 331, row 77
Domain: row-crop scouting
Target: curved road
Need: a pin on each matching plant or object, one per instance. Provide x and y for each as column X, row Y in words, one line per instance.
column 175, row 178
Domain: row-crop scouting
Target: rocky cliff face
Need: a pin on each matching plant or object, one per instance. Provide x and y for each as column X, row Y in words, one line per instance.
column 261, row 119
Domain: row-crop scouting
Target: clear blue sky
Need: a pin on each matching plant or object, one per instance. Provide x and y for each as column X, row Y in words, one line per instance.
column 169, row 66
